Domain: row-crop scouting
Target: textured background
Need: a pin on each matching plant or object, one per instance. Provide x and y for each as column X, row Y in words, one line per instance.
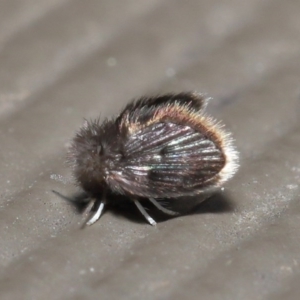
column 63, row 60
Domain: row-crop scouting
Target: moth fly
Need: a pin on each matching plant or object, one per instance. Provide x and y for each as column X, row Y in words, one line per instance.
column 158, row 147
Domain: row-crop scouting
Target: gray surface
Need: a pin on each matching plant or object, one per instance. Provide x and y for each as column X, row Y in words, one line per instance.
column 64, row 60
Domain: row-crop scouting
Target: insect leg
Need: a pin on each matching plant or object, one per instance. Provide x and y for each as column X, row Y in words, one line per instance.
column 163, row 209
column 144, row 213
column 98, row 208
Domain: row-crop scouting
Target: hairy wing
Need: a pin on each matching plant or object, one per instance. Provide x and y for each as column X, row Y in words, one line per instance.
column 145, row 108
column 169, row 160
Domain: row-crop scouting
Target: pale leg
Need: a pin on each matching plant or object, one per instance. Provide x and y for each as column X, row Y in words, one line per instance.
column 163, row 209
column 144, row 213
column 96, row 216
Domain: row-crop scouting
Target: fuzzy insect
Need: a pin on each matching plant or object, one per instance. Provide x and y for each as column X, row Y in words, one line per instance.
column 160, row 147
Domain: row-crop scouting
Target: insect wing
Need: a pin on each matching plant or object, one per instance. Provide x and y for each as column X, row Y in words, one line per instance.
column 169, row 160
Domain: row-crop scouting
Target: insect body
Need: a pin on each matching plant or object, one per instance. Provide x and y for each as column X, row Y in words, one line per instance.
column 160, row 147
